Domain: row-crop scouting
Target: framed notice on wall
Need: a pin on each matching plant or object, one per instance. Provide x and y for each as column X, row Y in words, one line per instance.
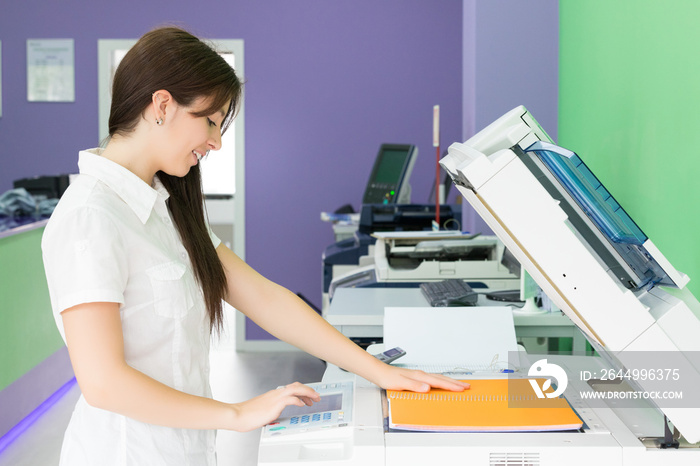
column 50, row 70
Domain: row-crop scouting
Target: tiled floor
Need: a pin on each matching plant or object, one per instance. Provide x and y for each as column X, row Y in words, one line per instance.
column 235, row 377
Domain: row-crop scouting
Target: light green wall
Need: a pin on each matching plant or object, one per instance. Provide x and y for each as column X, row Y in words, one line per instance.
column 629, row 106
column 28, row 334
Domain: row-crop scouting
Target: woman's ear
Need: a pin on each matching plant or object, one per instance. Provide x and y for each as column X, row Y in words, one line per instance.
column 162, row 101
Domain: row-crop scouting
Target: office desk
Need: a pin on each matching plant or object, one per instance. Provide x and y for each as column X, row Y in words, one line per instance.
column 359, row 313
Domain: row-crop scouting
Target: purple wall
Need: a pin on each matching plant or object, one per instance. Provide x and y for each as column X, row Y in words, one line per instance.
column 516, row 60
column 335, row 86
column 511, row 58
column 327, row 83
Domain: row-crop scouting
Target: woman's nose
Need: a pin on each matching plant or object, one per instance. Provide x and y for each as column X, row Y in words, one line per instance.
column 214, row 142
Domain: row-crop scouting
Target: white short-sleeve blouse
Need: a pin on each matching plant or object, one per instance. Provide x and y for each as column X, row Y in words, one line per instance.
column 111, row 239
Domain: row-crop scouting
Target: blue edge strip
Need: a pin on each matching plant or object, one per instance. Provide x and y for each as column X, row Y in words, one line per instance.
column 32, row 417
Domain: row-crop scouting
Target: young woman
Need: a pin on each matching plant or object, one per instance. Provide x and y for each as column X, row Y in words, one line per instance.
column 137, row 279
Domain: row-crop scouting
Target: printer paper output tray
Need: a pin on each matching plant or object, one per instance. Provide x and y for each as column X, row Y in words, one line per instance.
column 476, row 260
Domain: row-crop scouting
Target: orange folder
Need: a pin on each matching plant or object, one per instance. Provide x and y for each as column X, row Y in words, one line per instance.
column 490, row 405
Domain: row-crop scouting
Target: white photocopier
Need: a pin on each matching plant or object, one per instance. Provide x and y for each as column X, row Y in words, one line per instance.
column 423, row 256
column 638, row 396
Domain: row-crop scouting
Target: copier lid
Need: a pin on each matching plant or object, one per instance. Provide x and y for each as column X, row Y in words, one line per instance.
column 615, row 225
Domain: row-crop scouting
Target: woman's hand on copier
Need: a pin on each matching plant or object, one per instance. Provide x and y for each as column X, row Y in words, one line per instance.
column 396, row 378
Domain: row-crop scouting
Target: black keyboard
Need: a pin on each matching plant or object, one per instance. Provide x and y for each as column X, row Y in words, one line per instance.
column 453, row 292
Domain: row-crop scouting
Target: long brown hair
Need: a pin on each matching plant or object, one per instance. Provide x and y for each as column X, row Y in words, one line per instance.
column 173, row 59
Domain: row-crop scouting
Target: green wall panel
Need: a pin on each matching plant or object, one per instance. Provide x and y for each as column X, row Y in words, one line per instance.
column 28, row 334
column 628, row 105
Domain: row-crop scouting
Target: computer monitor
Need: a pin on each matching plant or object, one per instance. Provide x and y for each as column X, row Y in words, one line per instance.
column 388, row 183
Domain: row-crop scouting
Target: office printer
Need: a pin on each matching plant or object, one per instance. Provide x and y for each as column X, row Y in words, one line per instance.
column 347, row 255
column 411, row 258
column 416, row 258
column 600, row 269
column 386, row 206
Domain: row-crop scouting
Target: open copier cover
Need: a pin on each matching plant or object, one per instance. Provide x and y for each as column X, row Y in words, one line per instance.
column 601, row 270
column 587, row 255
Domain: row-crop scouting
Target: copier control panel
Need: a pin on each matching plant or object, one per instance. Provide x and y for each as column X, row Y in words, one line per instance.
column 332, row 412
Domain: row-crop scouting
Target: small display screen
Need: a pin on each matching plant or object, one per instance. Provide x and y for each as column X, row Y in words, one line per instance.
column 391, row 352
column 390, row 167
column 331, row 402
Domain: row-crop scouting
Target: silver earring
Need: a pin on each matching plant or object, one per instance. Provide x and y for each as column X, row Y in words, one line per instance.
column 159, row 121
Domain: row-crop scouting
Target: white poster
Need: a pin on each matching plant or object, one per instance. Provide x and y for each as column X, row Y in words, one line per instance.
column 50, row 70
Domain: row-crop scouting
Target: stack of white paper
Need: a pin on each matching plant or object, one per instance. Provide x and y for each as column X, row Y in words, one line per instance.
column 451, row 339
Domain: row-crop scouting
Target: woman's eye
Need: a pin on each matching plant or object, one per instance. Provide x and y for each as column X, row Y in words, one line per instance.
column 211, row 123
